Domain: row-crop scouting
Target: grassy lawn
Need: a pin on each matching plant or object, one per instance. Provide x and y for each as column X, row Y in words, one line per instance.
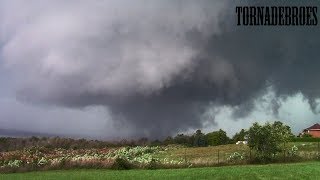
column 309, row 170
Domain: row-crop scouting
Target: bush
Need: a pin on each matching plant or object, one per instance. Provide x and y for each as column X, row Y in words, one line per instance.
column 121, row 164
column 42, row 162
column 14, row 163
column 236, row 157
column 153, row 164
column 305, row 139
column 293, row 152
column 306, row 135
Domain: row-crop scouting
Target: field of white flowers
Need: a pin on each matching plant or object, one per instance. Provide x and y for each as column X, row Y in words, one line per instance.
column 42, row 158
column 144, row 157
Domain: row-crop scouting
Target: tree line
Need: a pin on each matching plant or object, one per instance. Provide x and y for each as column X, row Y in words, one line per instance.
column 198, row 139
column 263, row 138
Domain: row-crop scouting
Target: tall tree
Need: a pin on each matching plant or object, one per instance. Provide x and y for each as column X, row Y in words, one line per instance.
column 268, row 139
column 217, row 138
column 168, row 140
column 240, row 136
column 183, row 139
column 199, row 139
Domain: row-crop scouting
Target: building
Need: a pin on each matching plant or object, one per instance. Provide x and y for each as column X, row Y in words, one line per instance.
column 313, row 130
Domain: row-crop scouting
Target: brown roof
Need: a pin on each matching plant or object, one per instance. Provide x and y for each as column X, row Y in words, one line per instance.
column 315, row 126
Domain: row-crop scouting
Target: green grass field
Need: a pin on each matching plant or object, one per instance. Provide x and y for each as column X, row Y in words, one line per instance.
column 309, row 170
column 205, row 155
column 209, row 155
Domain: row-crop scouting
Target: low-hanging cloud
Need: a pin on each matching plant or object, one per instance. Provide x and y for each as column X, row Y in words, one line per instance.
column 157, row 65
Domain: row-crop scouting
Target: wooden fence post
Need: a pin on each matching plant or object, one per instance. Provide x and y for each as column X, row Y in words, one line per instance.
column 318, row 150
column 218, row 156
column 284, row 152
column 185, row 156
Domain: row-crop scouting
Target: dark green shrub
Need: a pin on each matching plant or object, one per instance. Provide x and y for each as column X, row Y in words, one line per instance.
column 121, row 164
column 305, row 139
column 153, row 164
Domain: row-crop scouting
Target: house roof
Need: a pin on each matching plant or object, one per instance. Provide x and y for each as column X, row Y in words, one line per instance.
column 315, row 126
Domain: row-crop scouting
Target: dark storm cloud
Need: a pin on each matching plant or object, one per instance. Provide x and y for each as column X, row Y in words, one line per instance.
column 156, row 65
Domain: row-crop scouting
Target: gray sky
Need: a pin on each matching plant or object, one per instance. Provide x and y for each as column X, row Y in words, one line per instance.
column 113, row 69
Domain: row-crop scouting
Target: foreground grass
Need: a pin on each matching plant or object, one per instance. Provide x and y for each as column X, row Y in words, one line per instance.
column 309, row 170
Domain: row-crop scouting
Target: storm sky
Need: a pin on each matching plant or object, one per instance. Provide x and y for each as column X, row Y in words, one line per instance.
column 115, row 69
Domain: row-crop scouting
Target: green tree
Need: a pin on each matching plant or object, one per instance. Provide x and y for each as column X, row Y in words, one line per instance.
column 183, row 139
column 199, row 139
column 168, row 140
column 217, row 138
column 240, row 136
column 268, row 139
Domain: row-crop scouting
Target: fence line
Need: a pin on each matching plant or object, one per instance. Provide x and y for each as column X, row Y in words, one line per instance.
column 306, row 151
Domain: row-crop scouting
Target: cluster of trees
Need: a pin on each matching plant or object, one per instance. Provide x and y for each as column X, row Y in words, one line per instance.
column 267, row 140
column 10, row 143
column 199, row 139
